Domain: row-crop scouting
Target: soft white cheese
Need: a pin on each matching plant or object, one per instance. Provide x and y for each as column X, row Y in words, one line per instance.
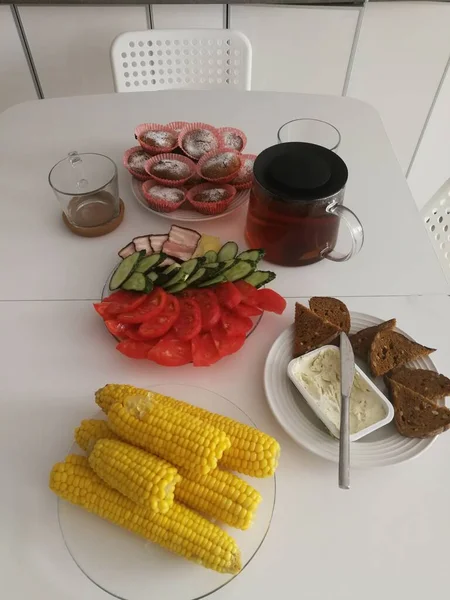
column 320, row 375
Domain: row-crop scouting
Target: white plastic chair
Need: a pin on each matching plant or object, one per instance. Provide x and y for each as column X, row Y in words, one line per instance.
column 158, row 59
column 436, row 217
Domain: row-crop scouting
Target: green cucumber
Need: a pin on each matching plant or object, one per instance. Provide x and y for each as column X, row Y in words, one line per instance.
column 178, row 287
column 167, row 273
column 240, row 270
column 152, row 276
column 150, row 262
column 187, row 269
column 213, row 265
column 227, row 264
column 124, row 270
column 228, row 251
column 199, row 276
column 260, row 278
column 210, row 256
column 214, row 281
column 138, row 282
column 252, row 255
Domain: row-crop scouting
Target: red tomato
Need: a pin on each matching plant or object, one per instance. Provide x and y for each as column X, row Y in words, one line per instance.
column 204, row 351
column 189, row 322
column 123, row 301
column 271, row 301
column 123, row 331
column 228, row 294
column 246, row 310
column 235, row 325
column 226, row 344
column 154, row 303
column 171, row 352
column 248, row 292
column 163, row 321
column 134, row 349
column 209, row 306
column 102, row 309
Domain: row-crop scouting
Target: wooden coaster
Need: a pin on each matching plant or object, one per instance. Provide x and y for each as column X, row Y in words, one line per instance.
column 99, row 229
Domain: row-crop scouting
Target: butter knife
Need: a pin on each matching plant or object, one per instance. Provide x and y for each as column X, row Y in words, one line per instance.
column 347, row 376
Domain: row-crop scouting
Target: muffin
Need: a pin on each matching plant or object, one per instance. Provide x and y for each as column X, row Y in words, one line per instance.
column 211, row 198
column 134, row 160
column 197, row 139
column 232, row 139
column 156, row 138
column 244, row 178
column 162, row 198
column 170, row 169
column 221, row 166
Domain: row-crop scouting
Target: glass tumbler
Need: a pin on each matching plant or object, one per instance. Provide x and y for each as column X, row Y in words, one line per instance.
column 87, row 188
column 312, row 131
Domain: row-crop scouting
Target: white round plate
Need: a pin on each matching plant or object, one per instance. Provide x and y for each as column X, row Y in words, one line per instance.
column 382, row 447
column 131, row 568
column 184, row 214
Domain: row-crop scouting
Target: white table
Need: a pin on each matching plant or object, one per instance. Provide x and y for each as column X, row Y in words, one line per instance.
column 392, row 526
column 40, row 259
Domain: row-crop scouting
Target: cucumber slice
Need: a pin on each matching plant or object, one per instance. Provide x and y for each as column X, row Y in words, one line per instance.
column 124, row 270
column 171, row 269
column 253, row 255
column 187, row 269
column 210, row 256
column 260, row 278
column 240, row 270
column 214, row 265
column 214, row 281
column 178, row 287
column 152, row 276
column 167, row 273
column 137, row 282
column 228, row 251
column 199, row 276
column 150, row 262
column 227, row 264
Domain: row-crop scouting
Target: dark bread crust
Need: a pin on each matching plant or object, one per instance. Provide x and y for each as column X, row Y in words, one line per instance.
column 311, row 331
column 429, row 384
column 332, row 310
column 390, row 349
column 362, row 340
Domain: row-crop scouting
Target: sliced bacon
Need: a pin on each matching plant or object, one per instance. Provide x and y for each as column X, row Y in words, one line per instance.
column 143, row 243
column 157, row 241
column 177, row 250
column 167, row 262
column 185, row 236
column 127, row 250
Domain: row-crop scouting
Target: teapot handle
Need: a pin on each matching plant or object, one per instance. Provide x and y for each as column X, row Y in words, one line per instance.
column 356, row 233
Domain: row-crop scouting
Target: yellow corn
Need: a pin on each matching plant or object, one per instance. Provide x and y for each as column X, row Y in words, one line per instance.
column 220, row 495
column 172, row 434
column 91, row 430
column 180, row 530
column 76, row 459
column 138, row 475
column 252, row 452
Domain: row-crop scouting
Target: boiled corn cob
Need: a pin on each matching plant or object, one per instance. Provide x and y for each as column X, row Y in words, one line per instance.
column 180, row 530
column 147, row 480
column 252, row 452
column 220, row 495
column 172, row 434
column 91, row 430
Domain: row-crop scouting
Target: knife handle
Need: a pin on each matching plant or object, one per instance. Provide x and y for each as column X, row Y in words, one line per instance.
column 344, row 445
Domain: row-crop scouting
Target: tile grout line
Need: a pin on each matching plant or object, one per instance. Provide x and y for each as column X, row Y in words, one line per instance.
column 27, row 51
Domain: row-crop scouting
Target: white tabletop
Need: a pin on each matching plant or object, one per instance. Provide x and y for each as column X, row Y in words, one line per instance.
column 40, row 259
column 389, row 532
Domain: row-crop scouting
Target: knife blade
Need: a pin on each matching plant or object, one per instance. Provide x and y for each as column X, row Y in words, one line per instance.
column 347, row 360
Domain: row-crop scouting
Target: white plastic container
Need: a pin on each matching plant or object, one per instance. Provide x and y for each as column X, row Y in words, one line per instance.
column 318, row 409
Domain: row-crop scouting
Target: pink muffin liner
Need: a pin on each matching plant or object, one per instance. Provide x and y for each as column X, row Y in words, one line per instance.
column 210, row 208
column 141, row 129
column 177, row 125
column 159, row 204
column 223, row 130
column 244, row 180
column 192, row 127
column 206, row 157
column 170, row 182
column 126, row 158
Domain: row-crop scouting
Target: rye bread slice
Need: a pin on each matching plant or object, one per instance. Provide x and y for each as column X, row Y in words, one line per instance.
column 390, row 349
column 332, row 310
column 311, row 331
column 362, row 340
column 429, row 384
column 415, row 416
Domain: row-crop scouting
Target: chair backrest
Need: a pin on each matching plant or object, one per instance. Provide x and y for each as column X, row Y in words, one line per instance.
column 436, row 217
column 166, row 59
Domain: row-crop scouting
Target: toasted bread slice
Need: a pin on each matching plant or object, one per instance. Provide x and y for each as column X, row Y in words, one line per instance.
column 390, row 349
column 332, row 310
column 415, row 416
column 311, row 331
column 427, row 383
column 362, row 340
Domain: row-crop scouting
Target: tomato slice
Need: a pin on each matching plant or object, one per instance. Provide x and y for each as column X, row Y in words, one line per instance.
column 123, row 331
column 269, row 300
column 123, row 301
column 134, row 349
column 171, row 352
column 226, row 344
column 235, row 325
column 248, row 292
column 228, row 294
column 246, row 310
column 204, row 351
column 189, row 322
column 102, row 309
column 154, row 303
column 209, row 306
column 162, row 322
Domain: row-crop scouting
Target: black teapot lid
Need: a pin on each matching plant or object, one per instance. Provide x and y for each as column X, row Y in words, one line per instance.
column 297, row 171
